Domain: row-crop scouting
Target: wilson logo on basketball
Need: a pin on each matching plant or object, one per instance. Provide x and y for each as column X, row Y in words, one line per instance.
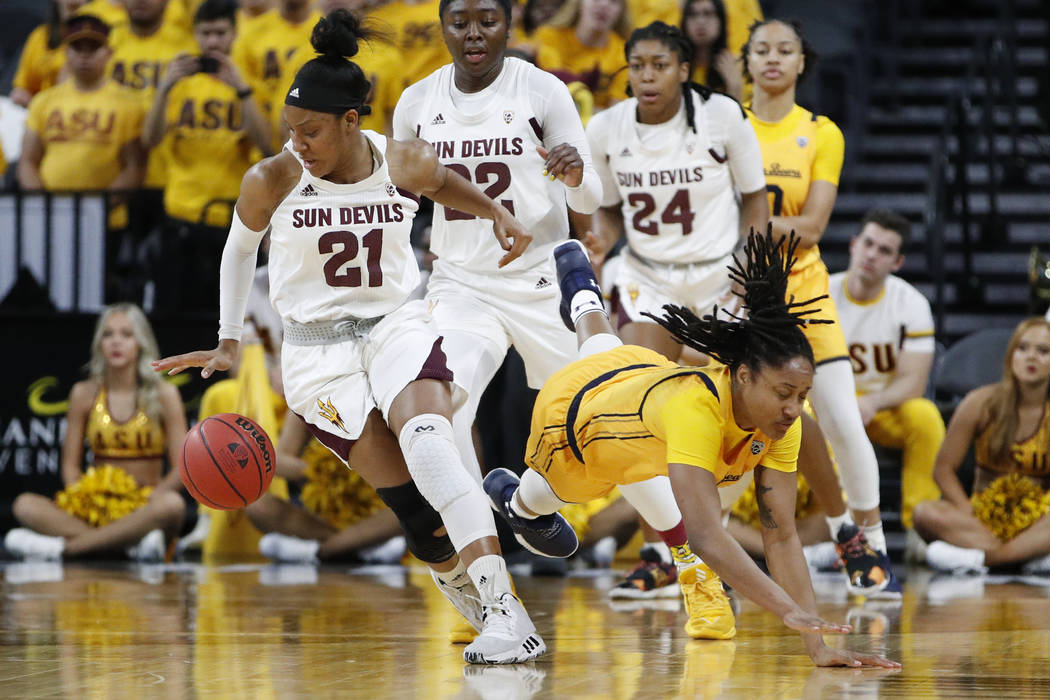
column 259, row 438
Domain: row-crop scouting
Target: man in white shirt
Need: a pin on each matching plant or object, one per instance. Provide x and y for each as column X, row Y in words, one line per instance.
column 889, row 330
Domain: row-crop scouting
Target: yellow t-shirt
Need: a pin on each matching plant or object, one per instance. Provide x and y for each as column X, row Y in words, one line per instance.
column 139, row 63
column 740, row 15
column 82, row 133
column 262, row 49
column 644, row 12
column 210, row 151
column 668, row 414
column 40, row 66
column 111, row 12
column 603, row 70
column 799, row 149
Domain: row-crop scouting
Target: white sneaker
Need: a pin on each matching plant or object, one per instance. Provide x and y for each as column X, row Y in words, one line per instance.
column 286, row 548
column 464, row 598
column 389, row 552
column 507, row 635
column 1040, row 565
column 520, row 682
column 822, row 556
column 149, row 548
column 23, row 543
column 914, row 547
column 957, row 560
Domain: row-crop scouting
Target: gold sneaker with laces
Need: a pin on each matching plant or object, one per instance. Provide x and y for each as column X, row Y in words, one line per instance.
column 710, row 614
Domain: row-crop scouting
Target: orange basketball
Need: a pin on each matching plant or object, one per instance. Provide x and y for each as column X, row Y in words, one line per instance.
column 227, row 461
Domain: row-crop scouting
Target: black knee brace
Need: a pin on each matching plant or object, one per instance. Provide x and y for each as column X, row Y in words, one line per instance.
column 419, row 520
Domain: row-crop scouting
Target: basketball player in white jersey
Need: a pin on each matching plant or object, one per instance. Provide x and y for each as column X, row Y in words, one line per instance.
column 682, row 174
column 889, row 331
column 513, row 130
column 357, row 358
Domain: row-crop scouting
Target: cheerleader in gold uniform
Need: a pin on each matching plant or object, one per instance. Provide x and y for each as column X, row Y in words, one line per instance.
column 625, row 416
column 802, row 154
column 121, row 499
column 1005, row 521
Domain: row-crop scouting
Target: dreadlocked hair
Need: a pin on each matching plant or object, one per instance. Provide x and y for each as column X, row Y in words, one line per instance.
column 771, row 331
column 675, row 40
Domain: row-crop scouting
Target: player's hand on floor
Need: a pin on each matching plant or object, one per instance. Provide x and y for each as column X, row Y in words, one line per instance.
column 826, row 656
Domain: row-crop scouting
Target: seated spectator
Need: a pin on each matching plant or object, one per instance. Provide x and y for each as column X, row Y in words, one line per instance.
column 83, row 134
column 341, row 517
column 1004, row 522
column 584, row 42
column 131, row 419
column 526, row 18
column 207, row 110
column 43, row 55
column 714, row 63
column 889, row 331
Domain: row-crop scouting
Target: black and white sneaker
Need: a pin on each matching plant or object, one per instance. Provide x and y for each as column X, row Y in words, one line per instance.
column 575, row 274
column 547, row 535
column 507, row 635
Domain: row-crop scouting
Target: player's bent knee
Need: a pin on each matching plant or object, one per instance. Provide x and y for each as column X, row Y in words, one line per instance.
column 420, row 521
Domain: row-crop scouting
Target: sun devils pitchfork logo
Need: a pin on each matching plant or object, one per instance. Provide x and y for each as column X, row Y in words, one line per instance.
column 331, row 413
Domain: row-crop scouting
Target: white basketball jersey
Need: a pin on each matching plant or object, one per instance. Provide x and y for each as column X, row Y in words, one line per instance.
column 678, row 189
column 899, row 320
column 495, row 148
column 340, row 251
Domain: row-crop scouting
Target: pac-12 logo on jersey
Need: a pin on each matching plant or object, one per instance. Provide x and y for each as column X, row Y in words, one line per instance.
column 508, row 115
column 757, row 446
column 390, row 189
column 802, row 141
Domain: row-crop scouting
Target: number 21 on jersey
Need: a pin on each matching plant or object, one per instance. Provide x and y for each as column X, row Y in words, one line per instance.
column 345, row 245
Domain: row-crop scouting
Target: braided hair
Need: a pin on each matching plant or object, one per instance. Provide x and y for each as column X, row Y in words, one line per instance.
column 675, row 40
column 771, row 332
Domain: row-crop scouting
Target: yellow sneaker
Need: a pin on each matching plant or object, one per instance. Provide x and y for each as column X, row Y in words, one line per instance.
column 710, row 614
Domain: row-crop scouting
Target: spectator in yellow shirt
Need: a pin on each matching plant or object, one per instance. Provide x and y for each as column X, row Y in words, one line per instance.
column 83, row 134
column 584, row 42
column 715, row 64
column 43, row 55
column 207, row 108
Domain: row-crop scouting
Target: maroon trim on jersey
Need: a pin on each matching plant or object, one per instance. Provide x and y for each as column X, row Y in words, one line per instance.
column 419, row 127
column 720, row 159
column 410, row 195
column 341, row 446
column 619, row 314
column 536, row 128
column 436, row 365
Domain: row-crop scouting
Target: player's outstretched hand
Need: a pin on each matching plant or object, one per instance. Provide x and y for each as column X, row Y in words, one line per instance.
column 511, row 235
column 221, row 358
column 826, row 656
column 562, row 162
column 807, row 622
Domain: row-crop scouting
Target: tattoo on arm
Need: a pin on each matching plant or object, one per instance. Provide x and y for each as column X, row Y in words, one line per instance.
column 764, row 513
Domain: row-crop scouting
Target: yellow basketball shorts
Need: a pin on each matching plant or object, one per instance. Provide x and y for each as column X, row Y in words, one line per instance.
column 608, row 462
column 826, row 339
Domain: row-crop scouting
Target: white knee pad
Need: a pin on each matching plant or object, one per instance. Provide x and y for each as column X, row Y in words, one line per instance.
column 537, row 495
column 654, row 501
column 434, row 462
column 834, row 399
column 599, row 342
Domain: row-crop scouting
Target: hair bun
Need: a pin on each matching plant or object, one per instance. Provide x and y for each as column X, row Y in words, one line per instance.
column 338, row 34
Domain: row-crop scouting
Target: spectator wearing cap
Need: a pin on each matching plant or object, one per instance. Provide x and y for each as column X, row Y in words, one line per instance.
column 43, row 56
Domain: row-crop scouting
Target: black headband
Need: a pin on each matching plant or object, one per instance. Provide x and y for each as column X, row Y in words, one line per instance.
column 308, row 95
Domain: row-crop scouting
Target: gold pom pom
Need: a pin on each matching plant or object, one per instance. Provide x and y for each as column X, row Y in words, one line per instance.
column 1010, row 504
column 334, row 493
column 103, row 494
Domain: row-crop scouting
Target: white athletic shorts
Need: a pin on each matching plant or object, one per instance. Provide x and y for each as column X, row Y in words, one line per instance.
column 482, row 315
column 646, row 286
column 334, row 387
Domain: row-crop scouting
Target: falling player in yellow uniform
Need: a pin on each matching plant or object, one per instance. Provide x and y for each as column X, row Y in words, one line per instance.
column 669, row 436
column 802, row 153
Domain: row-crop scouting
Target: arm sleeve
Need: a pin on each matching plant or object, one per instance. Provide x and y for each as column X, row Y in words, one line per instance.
column 783, row 453
column 561, row 124
column 236, row 273
column 743, row 150
column 597, row 136
column 693, row 426
column 831, row 149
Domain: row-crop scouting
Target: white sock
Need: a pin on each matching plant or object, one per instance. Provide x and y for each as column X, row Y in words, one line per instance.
column 876, row 537
column 584, row 302
column 455, row 577
column 515, row 505
column 489, row 574
column 836, row 522
column 661, row 548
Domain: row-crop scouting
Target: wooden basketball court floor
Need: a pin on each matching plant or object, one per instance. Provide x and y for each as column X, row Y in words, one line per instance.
column 266, row 631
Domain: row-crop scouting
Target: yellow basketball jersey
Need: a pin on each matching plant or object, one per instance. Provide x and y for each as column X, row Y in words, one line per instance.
column 796, row 151
column 83, row 132
column 210, row 151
